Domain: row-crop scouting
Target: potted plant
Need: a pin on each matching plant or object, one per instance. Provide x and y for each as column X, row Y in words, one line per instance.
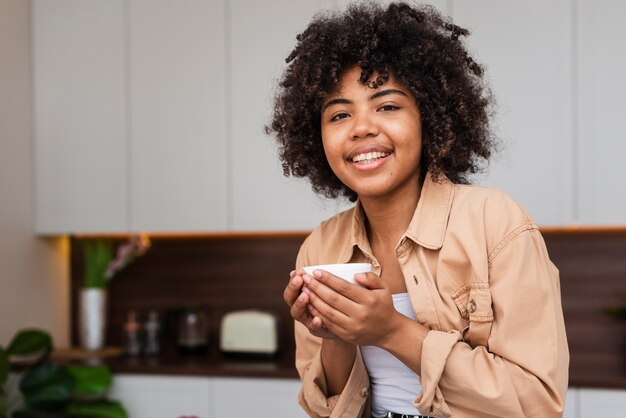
column 43, row 389
column 100, row 266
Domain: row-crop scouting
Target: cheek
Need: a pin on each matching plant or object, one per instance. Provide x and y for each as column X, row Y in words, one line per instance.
column 331, row 148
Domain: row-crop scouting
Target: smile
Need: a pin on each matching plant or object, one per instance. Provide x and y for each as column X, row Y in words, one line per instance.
column 368, row 157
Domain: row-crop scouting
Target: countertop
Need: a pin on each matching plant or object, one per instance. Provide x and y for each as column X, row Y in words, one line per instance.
column 586, row 370
column 209, row 363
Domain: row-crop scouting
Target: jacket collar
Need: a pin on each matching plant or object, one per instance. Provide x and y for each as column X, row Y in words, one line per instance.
column 429, row 223
column 427, row 227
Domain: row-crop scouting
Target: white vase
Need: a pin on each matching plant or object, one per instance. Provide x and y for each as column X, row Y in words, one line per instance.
column 92, row 318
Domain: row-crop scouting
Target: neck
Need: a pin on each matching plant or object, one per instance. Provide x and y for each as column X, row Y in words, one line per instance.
column 388, row 217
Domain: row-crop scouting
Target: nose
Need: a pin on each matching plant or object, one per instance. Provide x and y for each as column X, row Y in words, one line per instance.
column 363, row 126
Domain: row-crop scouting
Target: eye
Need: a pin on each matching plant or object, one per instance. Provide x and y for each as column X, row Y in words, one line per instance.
column 339, row 116
column 388, row 108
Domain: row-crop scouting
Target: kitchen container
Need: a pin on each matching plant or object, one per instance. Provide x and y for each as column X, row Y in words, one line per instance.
column 249, row 332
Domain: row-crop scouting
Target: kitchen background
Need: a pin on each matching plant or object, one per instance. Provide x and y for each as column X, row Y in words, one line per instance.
column 128, row 116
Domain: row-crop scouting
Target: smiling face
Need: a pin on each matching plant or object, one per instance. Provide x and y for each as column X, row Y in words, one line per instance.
column 373, row 137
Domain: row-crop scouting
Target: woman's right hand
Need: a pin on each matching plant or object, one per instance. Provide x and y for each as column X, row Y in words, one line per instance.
column 297, row 297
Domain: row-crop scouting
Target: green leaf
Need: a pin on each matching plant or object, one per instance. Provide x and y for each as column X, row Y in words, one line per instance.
column 4, row 367
column 90, row 380
column 47, row 386
column 3, row 403
column 39, row 375
column 97, row 253
column 29, row 342
column 33, row 413
column 101, row 409
column 49, row 397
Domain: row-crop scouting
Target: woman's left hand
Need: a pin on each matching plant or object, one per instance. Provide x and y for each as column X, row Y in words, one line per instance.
column 359, row 314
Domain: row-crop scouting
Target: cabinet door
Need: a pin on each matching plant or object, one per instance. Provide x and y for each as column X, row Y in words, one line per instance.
column 571, row 404
column 603, row 403
column 163, row 396
column 264, row 199
column 177, row 96
column 270, row 398
column 601, row 110
column 80, row 140
column 526, row 48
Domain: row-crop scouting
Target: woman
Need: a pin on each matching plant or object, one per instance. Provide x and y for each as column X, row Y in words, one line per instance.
column 461, row 314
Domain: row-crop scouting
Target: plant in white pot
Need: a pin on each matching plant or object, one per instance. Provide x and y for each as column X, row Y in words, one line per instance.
column 100, row 267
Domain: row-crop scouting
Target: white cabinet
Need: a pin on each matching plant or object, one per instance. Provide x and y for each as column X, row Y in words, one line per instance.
column 601, row 82
column 268, row 398
column 262, row 197
column 177, row 111
column 149, row 115
column 163, row 396
column 604, row 403
column 591, row 403
column 526, row 48
column 80, row 116
column 571, row 403
column 160, row 396
column 130, row 115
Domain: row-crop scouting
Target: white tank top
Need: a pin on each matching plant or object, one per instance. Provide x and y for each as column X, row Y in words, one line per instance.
column 393, row 384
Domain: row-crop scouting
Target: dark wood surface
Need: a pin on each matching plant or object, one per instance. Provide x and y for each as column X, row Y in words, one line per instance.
column 221, row 274
column 225, row 273
column 592, row 265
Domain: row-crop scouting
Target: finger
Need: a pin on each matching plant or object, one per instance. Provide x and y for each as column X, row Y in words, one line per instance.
column 324, row 327
column 328, row 314
column 370, row 281
column 297, row 272
column 336, row 284
column 299, row 310
column 317, row 322
column 293, row 289
column 340, row 297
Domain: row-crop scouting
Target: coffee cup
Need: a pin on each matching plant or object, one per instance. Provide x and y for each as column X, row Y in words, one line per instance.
column 344, row 270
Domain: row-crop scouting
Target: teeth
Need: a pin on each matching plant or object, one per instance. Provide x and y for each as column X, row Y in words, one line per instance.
column 368, row 157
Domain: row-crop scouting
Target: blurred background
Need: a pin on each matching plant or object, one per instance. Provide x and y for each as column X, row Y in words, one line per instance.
column 125, row 118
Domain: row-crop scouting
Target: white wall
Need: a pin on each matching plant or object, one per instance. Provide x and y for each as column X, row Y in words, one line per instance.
column 34, row 272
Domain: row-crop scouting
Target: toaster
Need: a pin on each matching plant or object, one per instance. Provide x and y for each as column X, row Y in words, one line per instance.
column 251, row 332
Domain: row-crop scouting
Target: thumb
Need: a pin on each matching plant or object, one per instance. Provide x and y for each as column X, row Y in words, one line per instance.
column 370, row 280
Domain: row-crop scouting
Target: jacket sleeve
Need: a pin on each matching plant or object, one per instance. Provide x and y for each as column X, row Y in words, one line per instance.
column 521, row 370
column 313, row 396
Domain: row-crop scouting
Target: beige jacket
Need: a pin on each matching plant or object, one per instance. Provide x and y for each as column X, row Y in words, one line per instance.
column 479, row 277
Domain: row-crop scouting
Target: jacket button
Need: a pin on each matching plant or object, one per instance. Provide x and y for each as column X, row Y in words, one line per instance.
column 471, row 306
column 365, row 392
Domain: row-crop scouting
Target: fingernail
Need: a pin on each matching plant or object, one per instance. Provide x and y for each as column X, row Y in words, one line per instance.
column 360, row 275
column 317, row 273
column 294, row 281
column 306, row 279
column 291, row 273
column 302, row 297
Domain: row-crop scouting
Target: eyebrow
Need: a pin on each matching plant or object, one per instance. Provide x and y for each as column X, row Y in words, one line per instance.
column 376, row 95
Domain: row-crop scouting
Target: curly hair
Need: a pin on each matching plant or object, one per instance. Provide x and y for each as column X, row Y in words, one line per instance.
column 414, row 44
